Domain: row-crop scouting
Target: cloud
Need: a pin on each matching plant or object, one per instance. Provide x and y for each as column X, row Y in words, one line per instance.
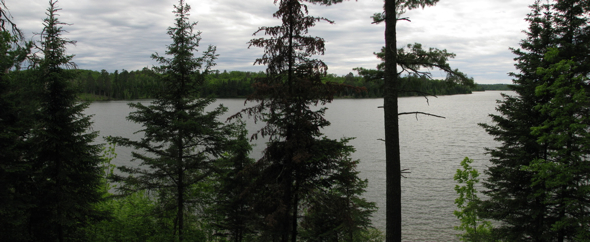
column 122, row 34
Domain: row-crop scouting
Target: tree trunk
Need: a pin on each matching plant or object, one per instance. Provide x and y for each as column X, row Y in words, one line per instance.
column 180, row 196
column 180, row 170
column 294, row 218
column 392, row 151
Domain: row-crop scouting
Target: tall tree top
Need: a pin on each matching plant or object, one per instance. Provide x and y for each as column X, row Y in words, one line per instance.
column 289, row 49
column 180, row 68
column 53, row 44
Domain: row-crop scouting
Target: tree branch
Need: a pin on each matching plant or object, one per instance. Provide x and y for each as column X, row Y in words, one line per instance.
column 429, row 114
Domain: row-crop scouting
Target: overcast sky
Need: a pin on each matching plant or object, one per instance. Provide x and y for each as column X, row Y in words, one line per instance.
column 122, row 34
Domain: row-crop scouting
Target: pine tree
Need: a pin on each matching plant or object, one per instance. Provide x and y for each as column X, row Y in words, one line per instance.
column 64, row 159
column 297, row 165
column 410, row 61
column 182, row 142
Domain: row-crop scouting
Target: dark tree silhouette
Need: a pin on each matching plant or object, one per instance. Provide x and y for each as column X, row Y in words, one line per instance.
column 296, row 165
column 64, row 159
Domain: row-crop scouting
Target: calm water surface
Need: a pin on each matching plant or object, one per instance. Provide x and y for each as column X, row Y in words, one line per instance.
column 431, row 149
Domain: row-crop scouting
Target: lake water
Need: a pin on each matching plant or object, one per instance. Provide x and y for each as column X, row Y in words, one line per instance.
column 431, row 148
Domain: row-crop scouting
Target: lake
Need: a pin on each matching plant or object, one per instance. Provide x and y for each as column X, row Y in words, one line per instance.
column 431, row 149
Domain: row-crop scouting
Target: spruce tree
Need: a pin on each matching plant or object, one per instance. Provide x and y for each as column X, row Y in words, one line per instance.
column 563, row 172
column 512, row 199
column 65, row 161
column 541, row 132
column 338, row 213
column 232, row 213
column 181, row 142
column 298, row 165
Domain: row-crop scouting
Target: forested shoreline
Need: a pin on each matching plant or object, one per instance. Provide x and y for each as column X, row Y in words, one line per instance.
column 140, row 84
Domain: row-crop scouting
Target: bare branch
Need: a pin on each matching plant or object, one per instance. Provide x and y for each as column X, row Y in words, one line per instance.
column 429, row 114
column 404, row 171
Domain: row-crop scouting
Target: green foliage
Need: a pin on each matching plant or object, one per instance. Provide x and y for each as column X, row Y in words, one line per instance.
column 370, row 235
column 565, row 170
column 132, row 217
column 132, row 220
column 476, row 229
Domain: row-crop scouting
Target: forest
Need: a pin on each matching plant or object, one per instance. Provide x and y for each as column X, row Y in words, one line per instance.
column 130, row 85
column 194, row 179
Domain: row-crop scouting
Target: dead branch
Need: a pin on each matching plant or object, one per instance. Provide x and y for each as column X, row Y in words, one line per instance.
column 404, row 171
column 429, row 114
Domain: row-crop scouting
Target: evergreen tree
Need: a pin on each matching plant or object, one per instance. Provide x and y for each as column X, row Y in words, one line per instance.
column 338, row 213
column 512, row 199
column 528, row 190
column 297, row 164
column 232, row 211
column 182, row 142
column 65, row 161
column 563, row 172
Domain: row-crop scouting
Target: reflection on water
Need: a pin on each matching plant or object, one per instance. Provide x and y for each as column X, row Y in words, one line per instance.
column 431, row 148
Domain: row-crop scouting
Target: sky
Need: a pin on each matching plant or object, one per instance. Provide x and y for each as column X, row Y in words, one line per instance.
column 123, row 34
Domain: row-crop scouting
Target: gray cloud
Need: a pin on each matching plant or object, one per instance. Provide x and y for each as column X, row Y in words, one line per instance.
column 122, row 34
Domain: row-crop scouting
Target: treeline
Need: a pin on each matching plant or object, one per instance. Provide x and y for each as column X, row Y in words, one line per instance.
column 127, row 85
column 410, row 85
column 492, row 87
column 141, row 84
